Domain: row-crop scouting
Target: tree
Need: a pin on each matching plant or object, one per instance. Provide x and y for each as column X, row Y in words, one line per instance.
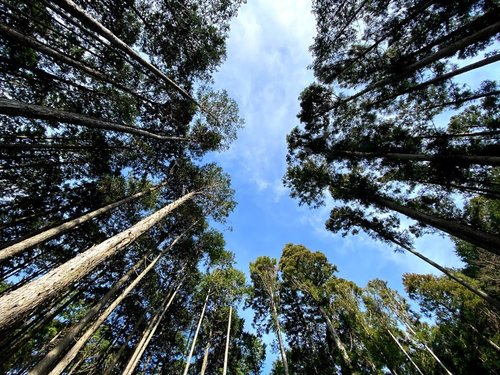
column 264, row 299
column 377, row 150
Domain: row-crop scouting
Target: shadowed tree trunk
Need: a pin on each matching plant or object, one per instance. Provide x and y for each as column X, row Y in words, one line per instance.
column 15, row 108
column 336, row 339
column 464, row 232
column 405, row 353
column 72, row 332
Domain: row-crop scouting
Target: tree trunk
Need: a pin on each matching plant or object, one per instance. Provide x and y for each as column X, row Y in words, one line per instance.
column 148, row 335
column 56, row 55
column 111, row 366
column 405, row 353
column 15, row 108
column 205, row 356
column 97, row 27
column 491, row 300
column 23, row 245
column 274, row 312
column 338, row 342
column 441, row 78
column 453, row 159
column 15, row 305
column 65, row 361
column 464, row 232
column 62, row 345
column 193, row 344
column 447, row 51
column 226, row 353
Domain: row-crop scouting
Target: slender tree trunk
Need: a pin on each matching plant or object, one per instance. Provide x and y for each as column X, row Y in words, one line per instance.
column 70, row 355
column 148, row 335
column 226, row 353
column 338, row 342
column 15, row 305
column 12, row 107
column 97, row 27
column 193, row 344
column 405, row 353
column 449, row 50
column 25, row 244
column 491, row 301
column 472, row 159
column 274, row 313
column 205, row 356
column 62, row 345
column 441, row 78
column 111, row 366
column 58, row 56
column 464, row 232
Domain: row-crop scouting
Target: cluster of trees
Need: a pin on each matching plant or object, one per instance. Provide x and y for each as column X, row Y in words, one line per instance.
column 332, row 325
column 405, row 147
column 373, row 131
column 108, row 260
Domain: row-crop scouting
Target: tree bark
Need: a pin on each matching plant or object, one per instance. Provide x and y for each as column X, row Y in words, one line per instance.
column 97, row 27
column 56, row 55
column 338, row 342
column 274, row 313
column 405, row 353
column 148, row 335
column 15, row 108
column 111, row 366
column 188, row 361
column 71, row 354
column 204, row 364
column 15, row 305
column 25, row 244
column 480, row 293
column 441, row 78
column 71, row 334
column 226, row 353
column 464, row 232
column 470, row 159
column 447, row 51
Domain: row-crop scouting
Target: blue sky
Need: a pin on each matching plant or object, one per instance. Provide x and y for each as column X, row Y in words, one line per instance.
column 265, row 71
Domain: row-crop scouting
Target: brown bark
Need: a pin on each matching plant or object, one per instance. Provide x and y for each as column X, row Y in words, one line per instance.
column 15, row 108
column 204, row 364
column 72, row 332
column 31, row 241
column 111, row 366
column 15, row 305
column 464, row 232
column 274, row 313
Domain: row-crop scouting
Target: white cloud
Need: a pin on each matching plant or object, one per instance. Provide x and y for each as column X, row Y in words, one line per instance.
column 265, row 72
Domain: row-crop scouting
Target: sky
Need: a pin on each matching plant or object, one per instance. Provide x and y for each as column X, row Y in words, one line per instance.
column 265, row 71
